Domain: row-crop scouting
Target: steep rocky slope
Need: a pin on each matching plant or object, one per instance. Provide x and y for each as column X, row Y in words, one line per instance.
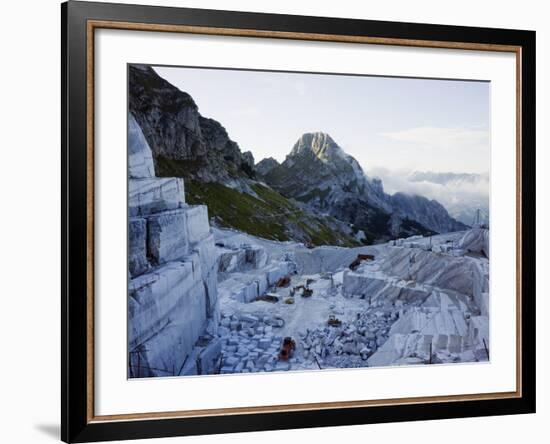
column 429, row 213
column 171, row 123
column 185, row 144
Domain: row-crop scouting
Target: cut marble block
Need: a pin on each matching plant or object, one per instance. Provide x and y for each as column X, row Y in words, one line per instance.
column 231, row 261
column 395, row 348
column 140, row 158
column 481, row 287
column 147, row 196
column 211, row 293
column 443, row 271
column 241, row 287
column 166, row 239
column 165, row 352
column 170, row 296
column 246, row 292
column 363, row 283
column 261, row 281
column 483, row 303
column 235, row 259
column 198, row 226
column 206, row 249
column 478, row 331
column 256, row 256
column 137, row 252
column 208, row 360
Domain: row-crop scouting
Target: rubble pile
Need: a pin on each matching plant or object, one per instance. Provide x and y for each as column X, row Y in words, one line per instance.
column 251, row 344
column 351, row 343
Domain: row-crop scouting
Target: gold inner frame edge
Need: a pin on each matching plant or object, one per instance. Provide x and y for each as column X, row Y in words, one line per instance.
column 92, row 25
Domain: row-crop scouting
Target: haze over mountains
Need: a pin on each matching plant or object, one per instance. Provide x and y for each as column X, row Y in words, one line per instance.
column 318, row 195
column 462, row 194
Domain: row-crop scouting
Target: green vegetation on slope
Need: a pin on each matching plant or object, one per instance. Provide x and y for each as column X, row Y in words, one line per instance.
column 268, row 214
column 378, row 226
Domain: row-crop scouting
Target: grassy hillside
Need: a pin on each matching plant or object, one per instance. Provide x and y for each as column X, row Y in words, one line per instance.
column 268, row 214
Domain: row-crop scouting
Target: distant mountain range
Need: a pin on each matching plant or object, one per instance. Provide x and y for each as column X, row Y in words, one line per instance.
column 318, row 195
column 464, row 195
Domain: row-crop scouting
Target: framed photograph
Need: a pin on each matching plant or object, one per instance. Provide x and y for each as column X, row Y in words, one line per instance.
column 275, row 221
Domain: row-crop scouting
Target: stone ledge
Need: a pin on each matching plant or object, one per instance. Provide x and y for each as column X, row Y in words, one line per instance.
column 137, row 251
column 166, row 240
column 148, row 196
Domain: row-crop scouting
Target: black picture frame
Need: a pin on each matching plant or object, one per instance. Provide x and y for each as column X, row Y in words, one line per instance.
column 76, row 423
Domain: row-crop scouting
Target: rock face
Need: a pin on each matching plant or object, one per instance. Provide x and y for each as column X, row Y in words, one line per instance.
column 140, row 158
column 175, row 130
column 173, row 309
column 429, row 213
column 318, row 172
column 266, row 165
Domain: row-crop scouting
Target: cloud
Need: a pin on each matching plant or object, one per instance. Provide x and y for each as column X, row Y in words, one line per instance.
column 430, row 137
column 282, row 84
column 459, row 197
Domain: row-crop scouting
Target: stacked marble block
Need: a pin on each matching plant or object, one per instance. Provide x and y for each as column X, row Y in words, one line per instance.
column 248, row 286
column 173, row 310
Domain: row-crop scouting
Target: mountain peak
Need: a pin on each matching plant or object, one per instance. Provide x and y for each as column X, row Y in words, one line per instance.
column 320, row 144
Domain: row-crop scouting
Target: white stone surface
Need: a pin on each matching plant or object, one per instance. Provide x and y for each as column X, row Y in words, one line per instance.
column 231, row 261
column 206, row 251
column 140, row 157
column 167, row 311
column 166, row 236
column 476, row 240
column 198, row 226
column 256, row 256
column 147, row 196
column 137, row 248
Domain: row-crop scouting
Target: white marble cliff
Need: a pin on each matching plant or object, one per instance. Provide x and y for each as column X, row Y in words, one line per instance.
column 173, row 310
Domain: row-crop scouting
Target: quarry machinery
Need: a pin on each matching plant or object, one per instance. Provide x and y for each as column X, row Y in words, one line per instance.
column 287, row 348
column 359, row 259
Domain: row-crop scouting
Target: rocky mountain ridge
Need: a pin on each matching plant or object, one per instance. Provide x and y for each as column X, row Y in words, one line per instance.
column 175, row 130
column 318, row 172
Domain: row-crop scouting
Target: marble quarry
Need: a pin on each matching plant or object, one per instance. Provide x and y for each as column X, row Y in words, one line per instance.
column 206, row 300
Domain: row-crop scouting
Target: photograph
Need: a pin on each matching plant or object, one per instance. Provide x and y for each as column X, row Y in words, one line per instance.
column 303, row 221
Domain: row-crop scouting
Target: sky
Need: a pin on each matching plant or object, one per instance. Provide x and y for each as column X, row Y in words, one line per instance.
column 386, row 123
